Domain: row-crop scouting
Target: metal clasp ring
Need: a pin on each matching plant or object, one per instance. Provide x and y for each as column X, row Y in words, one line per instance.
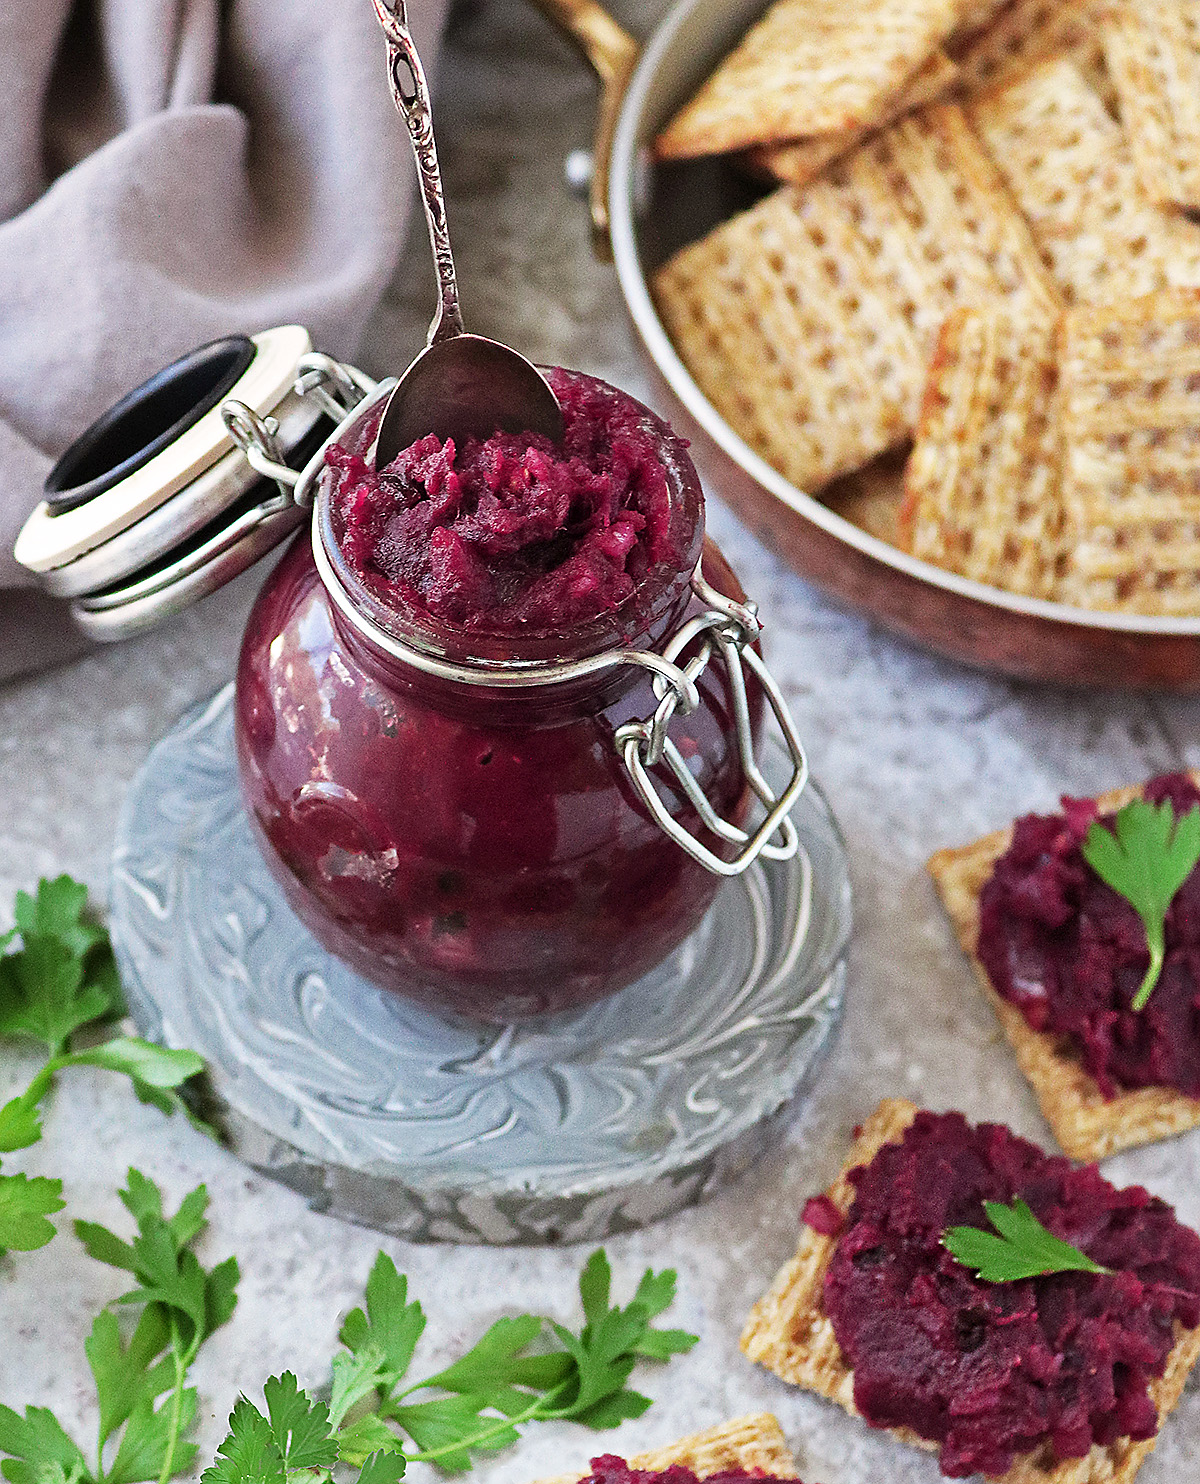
column 728, row 631
column 335, row 387
column 258, row 439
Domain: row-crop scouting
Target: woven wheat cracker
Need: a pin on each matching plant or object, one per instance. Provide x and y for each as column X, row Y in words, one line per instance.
column 1027, row 32
column 1069, row 168
column 753, row 1444
column 1152, row 48
column 1086, row 1124
column 808, row 320
column 781, row 319
column 810, row 67
column 940, row 224
column 789, row 1332
column 1131, row 438
column 798, row 161
column 983, row 490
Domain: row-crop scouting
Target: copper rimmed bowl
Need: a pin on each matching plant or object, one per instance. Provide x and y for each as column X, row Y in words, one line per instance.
column 646, row 213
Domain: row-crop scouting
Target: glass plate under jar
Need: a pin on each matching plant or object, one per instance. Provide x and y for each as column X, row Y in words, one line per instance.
column 565, row 1129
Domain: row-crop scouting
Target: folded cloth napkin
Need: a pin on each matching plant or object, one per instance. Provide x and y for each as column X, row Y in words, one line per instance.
column 172, row 171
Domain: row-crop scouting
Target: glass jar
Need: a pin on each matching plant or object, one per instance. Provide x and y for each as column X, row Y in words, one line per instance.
column 504, row 827
column 496, row 826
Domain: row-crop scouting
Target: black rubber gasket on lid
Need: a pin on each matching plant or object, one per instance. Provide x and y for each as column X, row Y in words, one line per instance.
column 146, row 421
column 296, row 458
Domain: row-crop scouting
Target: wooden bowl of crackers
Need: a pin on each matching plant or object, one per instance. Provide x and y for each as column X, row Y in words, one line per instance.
column 922, row 279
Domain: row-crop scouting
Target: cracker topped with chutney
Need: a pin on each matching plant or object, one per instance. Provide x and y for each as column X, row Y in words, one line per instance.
column 1062, row 956
column 1047, row 1377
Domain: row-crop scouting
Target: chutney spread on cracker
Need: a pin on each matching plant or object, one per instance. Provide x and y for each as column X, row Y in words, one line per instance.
column 991, row 1371
column 1070, row 952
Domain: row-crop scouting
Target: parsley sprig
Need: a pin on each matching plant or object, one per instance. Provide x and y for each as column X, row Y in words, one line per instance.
column 139, row 1438
column 523, row 1369
column 61, row 980
column 1146, row 857
column 1023, row 1249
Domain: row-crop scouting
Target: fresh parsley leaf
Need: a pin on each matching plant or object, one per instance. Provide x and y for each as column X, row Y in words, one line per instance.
column 142, row 1198
column 1146, row 857
column 612, row 1410
column 603, row 1361
column 595, row 1286
column 383, row 1468
column 159, row 1257
column 189, row 1221
column 44, row 1473
column 64, row 974
column 62, row 978
column 181, row 1305
column 661, row 1344
column 44, row 994
column 608, row 1347
column 355, row 1376
column 370, row 1434
column 25, row 1204
column 220, row 1295
column 20, row 1125
column 497, row 1367
column 153, row 1440
column 154, row 1071
column 39, row 1442
column 142, row 1061
column 656, row 1291
column 57, row 911
column 106, row 1246
column 168, row 1275
column 503, row 1381
column 448, row 1429
column 299, row 1426
column 391, row 1324
column 250, row 1454
column 1023, row 1249
column 126, row 1375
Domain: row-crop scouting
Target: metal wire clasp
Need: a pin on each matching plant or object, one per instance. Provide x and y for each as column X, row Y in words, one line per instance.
column 336, row 388
column 727, row 631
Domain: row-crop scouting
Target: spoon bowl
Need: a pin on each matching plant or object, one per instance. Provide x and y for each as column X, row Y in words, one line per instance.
column 467, row 387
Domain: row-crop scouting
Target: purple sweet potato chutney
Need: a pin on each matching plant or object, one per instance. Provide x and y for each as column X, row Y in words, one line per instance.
column 990, row 1371
column 1070, row 952
column 515, row 534
column 609, row 1469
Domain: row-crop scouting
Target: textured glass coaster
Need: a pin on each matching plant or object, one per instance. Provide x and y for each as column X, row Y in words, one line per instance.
column 562, row 1130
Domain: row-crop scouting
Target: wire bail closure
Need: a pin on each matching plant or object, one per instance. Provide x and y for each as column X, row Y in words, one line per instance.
column 336, row 388
column 727, row 631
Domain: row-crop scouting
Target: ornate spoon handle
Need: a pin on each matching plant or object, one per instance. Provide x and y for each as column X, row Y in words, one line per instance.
column 410, row 92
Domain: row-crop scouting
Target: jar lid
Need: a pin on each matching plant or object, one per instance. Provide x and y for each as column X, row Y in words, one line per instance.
column 156, row 504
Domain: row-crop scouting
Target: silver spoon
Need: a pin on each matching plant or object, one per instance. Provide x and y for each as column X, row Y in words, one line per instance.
column 461, row 385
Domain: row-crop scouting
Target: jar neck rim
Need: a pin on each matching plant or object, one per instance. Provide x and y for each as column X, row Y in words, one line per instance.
column 494, row 674
column 644, row 621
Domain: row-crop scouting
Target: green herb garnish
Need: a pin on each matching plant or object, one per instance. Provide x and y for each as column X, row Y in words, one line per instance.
column 1146, row 860
column 525, row 1369
column 1024, row 1248
column 62, row 979
column 181, row 1305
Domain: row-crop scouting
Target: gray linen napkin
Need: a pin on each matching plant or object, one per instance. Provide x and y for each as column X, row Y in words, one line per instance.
column 172, row 171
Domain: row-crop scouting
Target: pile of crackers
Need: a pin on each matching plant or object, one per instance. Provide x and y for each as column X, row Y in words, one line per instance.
column 971, row 312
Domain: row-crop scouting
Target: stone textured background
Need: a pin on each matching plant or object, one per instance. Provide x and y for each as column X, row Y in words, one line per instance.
column 914, row 754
